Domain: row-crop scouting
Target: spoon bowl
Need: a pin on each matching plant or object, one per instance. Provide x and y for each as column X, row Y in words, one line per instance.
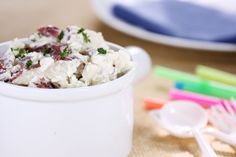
column 185, row 119
column 179, row 117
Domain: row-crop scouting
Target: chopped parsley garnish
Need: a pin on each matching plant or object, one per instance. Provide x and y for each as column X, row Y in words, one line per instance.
column 22, row 53
column 65, row 52
column 85, row 35
column 81, row 30
column 33, row 40
column 16, row 49
column 86, row 38
column 46, row 50
column 28, row 64
column 102, row 51
column 60, row 36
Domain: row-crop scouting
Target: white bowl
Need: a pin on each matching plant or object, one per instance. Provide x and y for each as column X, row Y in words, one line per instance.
column 94, row 121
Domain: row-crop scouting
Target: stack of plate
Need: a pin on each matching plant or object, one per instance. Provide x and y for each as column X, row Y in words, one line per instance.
column 117, row 14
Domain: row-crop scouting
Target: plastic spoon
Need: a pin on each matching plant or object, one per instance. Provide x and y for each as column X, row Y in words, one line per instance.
column 185, row 119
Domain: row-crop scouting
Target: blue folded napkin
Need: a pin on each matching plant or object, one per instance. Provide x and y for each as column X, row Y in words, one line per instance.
column 180, row 19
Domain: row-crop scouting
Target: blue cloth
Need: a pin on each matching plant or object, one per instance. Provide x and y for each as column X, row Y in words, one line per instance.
column 180, row 19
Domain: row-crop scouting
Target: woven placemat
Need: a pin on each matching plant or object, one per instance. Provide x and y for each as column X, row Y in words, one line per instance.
column 152, row 141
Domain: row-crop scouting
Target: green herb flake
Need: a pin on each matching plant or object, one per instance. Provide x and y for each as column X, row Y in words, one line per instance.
column 102, row 51
column 16, row 49
column 33, row 40
column 28, row 64
column 81, row 30
column 22, row 53
column 60, row 36
column 65, row 53
column 46, row 50
column 85, row 35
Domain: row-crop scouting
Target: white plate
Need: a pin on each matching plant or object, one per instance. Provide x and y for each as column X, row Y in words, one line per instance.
column 102, row 9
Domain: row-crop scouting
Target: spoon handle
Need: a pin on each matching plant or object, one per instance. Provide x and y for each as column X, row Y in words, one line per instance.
column 206, row 149
column 227, row 138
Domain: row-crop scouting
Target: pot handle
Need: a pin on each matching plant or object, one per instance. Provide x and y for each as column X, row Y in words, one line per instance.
column 142, row 62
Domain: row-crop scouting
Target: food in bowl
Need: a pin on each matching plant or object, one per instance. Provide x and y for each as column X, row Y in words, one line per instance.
column 69, row 58
column 73, row 121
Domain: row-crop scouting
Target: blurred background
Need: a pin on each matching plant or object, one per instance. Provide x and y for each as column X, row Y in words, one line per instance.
column 19, row 18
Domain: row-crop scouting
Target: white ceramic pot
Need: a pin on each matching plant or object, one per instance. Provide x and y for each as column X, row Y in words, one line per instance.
column 95, row 121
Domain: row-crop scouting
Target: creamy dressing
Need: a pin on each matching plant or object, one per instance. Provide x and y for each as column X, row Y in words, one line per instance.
column 54, row 58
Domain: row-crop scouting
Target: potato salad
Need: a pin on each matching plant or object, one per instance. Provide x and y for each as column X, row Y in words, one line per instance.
column 56, row 58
